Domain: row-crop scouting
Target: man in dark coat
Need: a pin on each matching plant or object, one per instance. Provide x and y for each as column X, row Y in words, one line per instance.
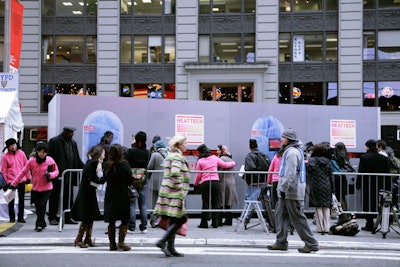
column 64, row 150
column 372, row 162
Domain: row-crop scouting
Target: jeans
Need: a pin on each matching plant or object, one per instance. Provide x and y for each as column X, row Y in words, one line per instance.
column 142, row 209
column 252, row 193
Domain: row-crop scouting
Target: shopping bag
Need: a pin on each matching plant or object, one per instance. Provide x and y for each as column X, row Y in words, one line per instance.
column 163, row 223
column 336, row 208
column 9, row 195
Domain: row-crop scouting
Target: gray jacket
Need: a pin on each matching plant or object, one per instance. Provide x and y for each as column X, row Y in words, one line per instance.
column 289, row 182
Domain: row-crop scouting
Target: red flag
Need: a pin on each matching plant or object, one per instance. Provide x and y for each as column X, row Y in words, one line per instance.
column 16, row 16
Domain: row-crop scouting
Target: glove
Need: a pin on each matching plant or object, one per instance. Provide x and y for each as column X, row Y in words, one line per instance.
column 283, row 195
column 28, row 181
column 47, row 175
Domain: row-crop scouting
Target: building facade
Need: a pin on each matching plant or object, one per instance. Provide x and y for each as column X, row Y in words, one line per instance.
column 319, row 52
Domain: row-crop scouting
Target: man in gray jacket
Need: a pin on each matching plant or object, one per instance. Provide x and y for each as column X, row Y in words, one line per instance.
column 291, row 191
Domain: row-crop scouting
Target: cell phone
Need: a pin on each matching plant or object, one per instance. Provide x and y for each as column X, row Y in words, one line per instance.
column 51, row 168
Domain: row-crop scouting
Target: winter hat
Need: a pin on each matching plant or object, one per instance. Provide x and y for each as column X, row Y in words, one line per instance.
column 371, row 143
column 253, row 143
column 159, row 144
column 40, row 146
column 9, row 142
column 69, row 128
column 156, row 138
column 290, row 134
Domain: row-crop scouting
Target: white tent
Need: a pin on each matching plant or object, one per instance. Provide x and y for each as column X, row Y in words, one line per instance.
column 10, row 113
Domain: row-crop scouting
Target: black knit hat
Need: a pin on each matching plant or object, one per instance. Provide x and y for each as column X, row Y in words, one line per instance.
column 9, row 142
column 371, row 143
column 253, row 143
column 41, row 146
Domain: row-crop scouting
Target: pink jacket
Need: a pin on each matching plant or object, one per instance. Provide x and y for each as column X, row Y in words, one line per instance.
column 211, row 164
column 274, row 167
column 12, row 164
column 39, row 181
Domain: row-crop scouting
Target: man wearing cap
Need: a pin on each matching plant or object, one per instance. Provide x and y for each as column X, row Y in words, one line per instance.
column 372, row 162
column 291, row 192
column 12, row 163
column 64, row 150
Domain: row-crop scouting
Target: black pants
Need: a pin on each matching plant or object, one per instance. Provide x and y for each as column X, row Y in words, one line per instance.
column 21, row 204
column 40, row 200
column 210, row 191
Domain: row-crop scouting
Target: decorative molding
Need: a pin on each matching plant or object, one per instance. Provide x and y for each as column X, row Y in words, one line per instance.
column 68, row 74
column 69, row 25
column 226, row 24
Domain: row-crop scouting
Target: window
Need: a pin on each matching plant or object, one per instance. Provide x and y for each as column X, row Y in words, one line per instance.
column 388, row 45
column 230, row 92
column 69, row 49
column 49, row 90
column 331, row 46
column 307, row 47
column 307, row 5
column 148, row 49
column 389, row 95
column 154, row 90
column 2, row 7
column 369, row 94
column 1, row 54
column 228, row 48
column 332, row 96
column 148, row 7
column 388, row 3
column 369, row 45
column 307, row 93
column 369, row 4
column 226, row 6
column 284, row 47
column 70, row 7
column 332, row 5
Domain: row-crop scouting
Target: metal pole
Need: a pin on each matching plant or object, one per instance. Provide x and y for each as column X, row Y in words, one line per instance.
column 7, row 17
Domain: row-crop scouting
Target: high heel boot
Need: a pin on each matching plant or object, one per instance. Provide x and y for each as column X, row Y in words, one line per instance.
column 171, row 230
column 123, row 229
column 78, row 240
column 88, row 237
column 171, row 247
column 111, row 237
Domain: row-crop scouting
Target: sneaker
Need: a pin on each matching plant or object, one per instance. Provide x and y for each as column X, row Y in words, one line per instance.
column 144, row 231
column 131, row 230
column 277, row 247
column 306, row 249
column 54, row 222
column 38, row 229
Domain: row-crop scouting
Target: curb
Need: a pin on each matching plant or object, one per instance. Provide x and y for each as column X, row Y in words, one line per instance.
column 203, row 242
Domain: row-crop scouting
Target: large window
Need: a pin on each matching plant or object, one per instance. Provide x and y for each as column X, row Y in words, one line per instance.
column 70, row 7
column 49, row 90
column 148, row 49
column 312, row 93
column 307, row 47
column 228, row 48
column 69, row 49
column 388, row 93
column 388, row 45
column 148, row 7
column 226, row 6
column 231, row 92
column 152, row 90
column 388, row 3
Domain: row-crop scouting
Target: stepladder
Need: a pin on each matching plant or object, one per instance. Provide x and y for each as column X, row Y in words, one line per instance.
column 249, row 207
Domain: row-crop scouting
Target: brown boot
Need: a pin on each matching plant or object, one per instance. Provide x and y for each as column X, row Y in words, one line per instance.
column 111, row 237
column 123, row 229
column 78, row 240
column 88, row 238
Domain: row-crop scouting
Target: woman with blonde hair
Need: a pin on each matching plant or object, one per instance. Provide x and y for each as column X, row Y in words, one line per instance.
column 174, row 188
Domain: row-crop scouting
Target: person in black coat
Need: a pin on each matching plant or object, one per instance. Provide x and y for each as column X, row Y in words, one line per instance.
column 321, row 182
column 86, row 208
column 118, row 176
column 64, row 150
column 372, row 162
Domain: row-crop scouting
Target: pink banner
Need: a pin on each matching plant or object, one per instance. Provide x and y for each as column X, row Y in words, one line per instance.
column 16, row 17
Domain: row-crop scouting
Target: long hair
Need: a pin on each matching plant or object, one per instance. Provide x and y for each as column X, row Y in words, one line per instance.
column 95, row 152
column 115, row 156
column 341, row 151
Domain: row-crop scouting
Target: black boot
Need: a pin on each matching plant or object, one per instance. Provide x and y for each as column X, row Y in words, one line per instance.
column 171, row 247
column 171, row 230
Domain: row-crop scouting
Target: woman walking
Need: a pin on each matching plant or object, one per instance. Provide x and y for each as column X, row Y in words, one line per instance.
column 86, row 208
column 174, row 188
column 118, row 176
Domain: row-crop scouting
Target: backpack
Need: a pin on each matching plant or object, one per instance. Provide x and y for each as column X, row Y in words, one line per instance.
column 347, row 225
column 263, row 163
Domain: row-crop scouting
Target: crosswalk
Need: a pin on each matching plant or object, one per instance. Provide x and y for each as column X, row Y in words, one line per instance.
column 212, row 251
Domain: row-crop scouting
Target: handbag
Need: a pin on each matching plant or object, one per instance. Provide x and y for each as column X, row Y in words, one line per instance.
column 132, row 193
column 9, row 195
column 163, row 223
column 139, row 176
column 2, row 181
column 336, row 208
column 28, row 188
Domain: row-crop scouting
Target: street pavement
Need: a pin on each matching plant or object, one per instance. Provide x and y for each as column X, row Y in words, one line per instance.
column 221, row 236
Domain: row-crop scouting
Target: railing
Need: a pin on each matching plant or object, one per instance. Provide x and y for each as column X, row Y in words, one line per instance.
column 346, row 193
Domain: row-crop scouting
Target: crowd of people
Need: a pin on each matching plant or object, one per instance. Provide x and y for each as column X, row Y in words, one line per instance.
column 294, row 171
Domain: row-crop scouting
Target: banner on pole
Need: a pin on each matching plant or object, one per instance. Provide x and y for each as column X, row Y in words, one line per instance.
column 16, row 18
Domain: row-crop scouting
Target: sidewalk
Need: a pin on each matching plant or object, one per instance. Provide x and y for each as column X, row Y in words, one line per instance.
column 221, row 236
